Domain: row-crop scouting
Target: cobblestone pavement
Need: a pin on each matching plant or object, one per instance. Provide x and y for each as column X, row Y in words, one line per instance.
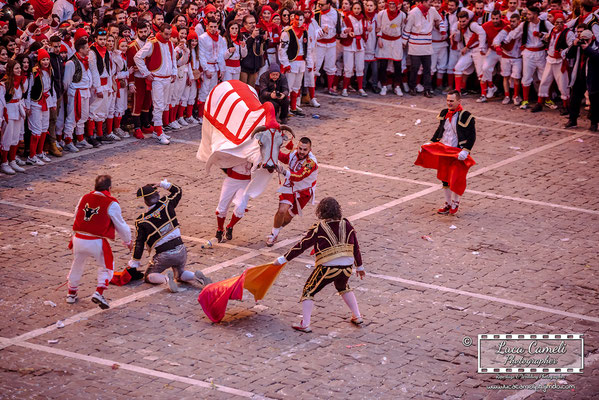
column 520, row 257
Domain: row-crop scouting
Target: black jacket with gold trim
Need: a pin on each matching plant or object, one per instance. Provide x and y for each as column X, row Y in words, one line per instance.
column 157, row 222
column 465, row 129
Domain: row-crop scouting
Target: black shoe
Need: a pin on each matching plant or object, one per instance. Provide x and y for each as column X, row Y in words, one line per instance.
column 105, row 139
column 297, row 112
column 428, row 94
column 135, row 274
column 571, row 124
column 229, row 234
column 564, row 111
column 94, row 142
column 412, row 92
column 284, row 120
column 593, row 128
column 219, row 236
column 537, row 108
column 376, row 89
column 463, row 93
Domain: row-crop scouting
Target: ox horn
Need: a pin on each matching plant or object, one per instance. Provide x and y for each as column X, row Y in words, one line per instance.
column 258, row 129
column 288, row 129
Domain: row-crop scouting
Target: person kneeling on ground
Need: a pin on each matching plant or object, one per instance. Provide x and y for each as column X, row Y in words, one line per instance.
column 274, row 88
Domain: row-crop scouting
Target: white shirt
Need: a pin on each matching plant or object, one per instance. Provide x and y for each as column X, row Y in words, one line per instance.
column 450, row 133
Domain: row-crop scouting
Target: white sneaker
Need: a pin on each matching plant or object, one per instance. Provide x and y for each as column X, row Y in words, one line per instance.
column 84, row 144
column 398, row 91
column 71, row 298
column 100, row 300
column 182, row 122
column 383, row 91
column 270, row 241
column 200, row 120
column 35, row 161
column 506, row 100
column 162, row 139
column 60, row 145
column 419, row 88
column 482, row 99
column 7, row 169
column 344, row 93
column 114, row 136
column 517, row 100
column 314, row 103
column 13, row 164
column 20, row 162
column 155, row 136
column 71, row 148
column 123, row 134
column 175, row 125
column 170, row 281
column 202, row 279
column 362, row 93
column 406, row 87
column 297, row 108
column 44, row 158
column 491, row 92
column 191, row 121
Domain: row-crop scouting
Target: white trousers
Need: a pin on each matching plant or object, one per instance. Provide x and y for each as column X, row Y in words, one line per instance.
column 309, row 78
column 118, row 105
column 326, row 56
column 39, row 120
column 452, row 60
column 232, row 191
column 82, row 250
column 190, row 94
column 70, row 124
column 177, row 89
column 98, row 107
column 160, row 98
column 466, row 61
column 551, row 72
column 351, row 60
column 231, row 73
column 12, row 133
column 207, row 85
column 511, row 67
column 491, row 60
column 439, row 60
column 532, row 63
column 294, row 80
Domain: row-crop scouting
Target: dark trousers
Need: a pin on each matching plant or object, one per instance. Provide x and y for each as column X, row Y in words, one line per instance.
column 281, row 106
column 371, row 66
column 416, row 61
column 578, row 91
column 382, row 64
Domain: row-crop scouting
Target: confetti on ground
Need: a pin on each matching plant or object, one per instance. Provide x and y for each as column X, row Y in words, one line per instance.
column 49, row 303
column 475, row 253
column 351, row 346
column 389, row 155
column 579, row 140
column 59, row 324
column 249, row 335
column 426, row 237
column 418, row 122
column 515, row 148
column 400, row 134
column 52, row 341
column 34, row 233
column 453, row 227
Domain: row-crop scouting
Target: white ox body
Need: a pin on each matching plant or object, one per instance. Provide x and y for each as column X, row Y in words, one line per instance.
column 231, row 113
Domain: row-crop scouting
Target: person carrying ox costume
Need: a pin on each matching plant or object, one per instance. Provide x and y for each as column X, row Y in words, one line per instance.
column 336, row 250
column 97, row 218
column 158, row 229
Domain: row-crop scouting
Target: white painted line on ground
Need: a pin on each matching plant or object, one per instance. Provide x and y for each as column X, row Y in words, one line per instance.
column 141, row 370
column 486, row 297
column 523, row 394
column 375, row 175
column 503, row 122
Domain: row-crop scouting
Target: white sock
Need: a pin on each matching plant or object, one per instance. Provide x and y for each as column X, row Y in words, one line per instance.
column 156, row 278
column 275, row 231
column 447, row 194
column 307, row 306
column 456, row 200
column 188, row 276
column 352, row 303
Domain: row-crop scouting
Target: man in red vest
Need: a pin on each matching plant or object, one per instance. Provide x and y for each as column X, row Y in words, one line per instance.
column 97, row 217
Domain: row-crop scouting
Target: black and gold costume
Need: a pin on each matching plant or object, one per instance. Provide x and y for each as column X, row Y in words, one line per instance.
column 331, row 240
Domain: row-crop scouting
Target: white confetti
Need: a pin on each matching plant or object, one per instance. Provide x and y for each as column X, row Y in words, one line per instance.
column 453, row 227
column 59, row 324
column 412, row 105
column 346, row 167
column 52, row 341
column 475, row 253
column 565, row 239
column 34, row 233
column 249, row 335
column 400, row 134
column 49, row 303
column 514, row 148
column 309, row 266
column 29, row 188
column 418, row 122
column 579, row 140
column 389, row 155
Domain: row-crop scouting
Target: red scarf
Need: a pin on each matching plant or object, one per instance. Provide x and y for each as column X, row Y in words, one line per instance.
column 107, row 194
column 299, row 31
column 124, row 4
column 101, row 50
column 213, row 37
column 235, row 39
column 450, row 113
column 19, row 80
column 323, row 12
column 83, row 60
column 161, row 38
column 369, row 16
column 423, row 10
column 392, row 14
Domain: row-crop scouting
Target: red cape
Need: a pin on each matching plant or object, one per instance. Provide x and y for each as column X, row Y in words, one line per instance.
column 445, row 160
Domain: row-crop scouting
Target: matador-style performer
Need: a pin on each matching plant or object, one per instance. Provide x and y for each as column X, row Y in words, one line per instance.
column 158, row 229
column 456, row 133
column 336, row 250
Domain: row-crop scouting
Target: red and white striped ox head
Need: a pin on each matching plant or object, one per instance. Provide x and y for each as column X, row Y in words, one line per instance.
column 270, row 141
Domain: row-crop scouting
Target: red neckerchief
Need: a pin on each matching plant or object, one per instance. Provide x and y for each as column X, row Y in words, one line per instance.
column 555, row 32
column 235, row 39
column 392, row 14
column 213, row 37
column 83, row 60
column 101, row 50
column 161, row 38
column 19, row 79
column 423, row 10
column 450, row 113
column 369, row 16
column 298, row 30
column 322, row 12
column 155, row 28
column 107, row 194
column 47, row 69
column 124, row 4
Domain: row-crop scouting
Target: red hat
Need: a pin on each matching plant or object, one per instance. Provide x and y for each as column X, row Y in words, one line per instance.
column 175, row 32
column 63, row 49
column 557, row 14
column 79, row 33
column 3, row 23
column 121, row 41
column 266, row 8
column 41, row 54
column 192, row 35
column 209, row 8
column 39, row 38
column 44, row 28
